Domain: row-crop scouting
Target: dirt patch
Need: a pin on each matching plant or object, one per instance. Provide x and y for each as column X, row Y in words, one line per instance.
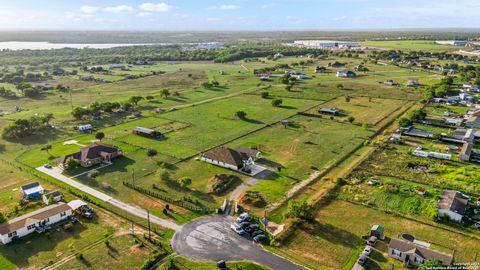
column 221, row 183
column 237, row 78
column 253, row 198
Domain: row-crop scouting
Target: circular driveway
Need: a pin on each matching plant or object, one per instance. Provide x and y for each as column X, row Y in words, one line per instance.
column 211, row 239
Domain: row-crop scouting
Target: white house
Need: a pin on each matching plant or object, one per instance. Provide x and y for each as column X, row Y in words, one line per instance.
column 343, row 74
column 419, row 153
column 86, row 127
column 414, row 254
column 38, row 220
column 55, row 195
column 453, row 204
column 228, row 158
column 32, row 190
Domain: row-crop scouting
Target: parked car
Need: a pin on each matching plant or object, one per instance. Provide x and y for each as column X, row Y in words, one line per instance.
column 372, row 241
column 252, row 228
column 243, row 217
column 48, row 166
column 362, row 260
column 247, row 170
column 255, row 233
column 244, row 224
column 476, row 225
column 367, row 250
column 237, row 229
column 259, row 238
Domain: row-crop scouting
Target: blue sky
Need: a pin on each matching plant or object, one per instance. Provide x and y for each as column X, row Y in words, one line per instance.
column 238, row 14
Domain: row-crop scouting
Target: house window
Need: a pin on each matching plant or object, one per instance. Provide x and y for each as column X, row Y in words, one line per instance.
column 30, row 227
column 12, row 234
column 46, row 220
column 63, row 214
column 396, row 253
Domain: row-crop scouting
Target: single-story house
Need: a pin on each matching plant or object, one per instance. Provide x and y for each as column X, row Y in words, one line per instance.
column 319, row 69
column 412, row 82
column 32, row 190
column 46, row 86
column 147, row 132
column 117, row 66
column 87, row 127
column 93, row 154
column 389, row 82
column 349, row 74
column 278, row 55
column 55, row 195
column 453, row 204
column 227, row 158
column 253, row 153
column 412, row 254
column 471, row 87
column 336, row 64
column 332, row 111
column 36, row 220
column 87, row 78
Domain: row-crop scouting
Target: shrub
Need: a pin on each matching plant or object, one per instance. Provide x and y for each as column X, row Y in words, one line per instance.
column 184, row 181
column 151, row 152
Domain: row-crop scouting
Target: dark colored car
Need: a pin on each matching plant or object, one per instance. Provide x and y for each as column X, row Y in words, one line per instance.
column 252, row 228
column 259, row 238
column 255, row 233
column 362, row 260
column 244, row 224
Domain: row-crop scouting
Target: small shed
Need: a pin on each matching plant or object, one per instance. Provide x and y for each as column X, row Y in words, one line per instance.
column 33, row 190
column 56, row 195
column 378, row 231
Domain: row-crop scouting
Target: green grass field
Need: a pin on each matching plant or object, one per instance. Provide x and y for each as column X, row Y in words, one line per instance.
column 426, row 45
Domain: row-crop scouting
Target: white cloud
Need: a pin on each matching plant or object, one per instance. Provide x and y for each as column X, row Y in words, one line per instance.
column 119, row 9
column 89, row 9
column 144, row 14
column 212, row 19
column 159, row 7
column 225, row 7
column 269, row 5
column 76, row 17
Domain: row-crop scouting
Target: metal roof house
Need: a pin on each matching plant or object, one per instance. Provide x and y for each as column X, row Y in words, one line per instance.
column 32, row 190
column 453, row 204
column 332, row 111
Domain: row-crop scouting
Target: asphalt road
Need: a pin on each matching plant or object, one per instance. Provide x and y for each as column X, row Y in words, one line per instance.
column 211, row 239
column 57, row 173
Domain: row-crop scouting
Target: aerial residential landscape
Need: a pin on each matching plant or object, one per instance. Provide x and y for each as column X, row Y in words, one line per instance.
column 239, row 135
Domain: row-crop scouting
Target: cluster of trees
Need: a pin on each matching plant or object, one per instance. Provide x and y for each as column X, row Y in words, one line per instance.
column 165, row 176
column 19, row 75
column 399, row 55
column 440, row 89
column 301, row 211
column 26, row 127
column 96, row 108
column 6, row 93
column 412, row 116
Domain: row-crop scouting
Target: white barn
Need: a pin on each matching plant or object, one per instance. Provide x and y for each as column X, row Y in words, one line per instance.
column 36, row 220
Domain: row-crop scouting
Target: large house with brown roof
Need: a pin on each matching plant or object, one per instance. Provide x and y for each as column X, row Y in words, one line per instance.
column 93, row 154
column 452, row 204
column 36, row 220
column 412, row 254
column 230, row 158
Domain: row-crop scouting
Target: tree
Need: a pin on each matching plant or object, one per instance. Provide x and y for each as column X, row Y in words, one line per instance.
column 93, row 174
column 99, row 136
column 165, row 93
column 277, row 102
column 351, row 119
column 301, row 210
column 135, row 99
column 265, row 94
column 70, row 163
column 151, row 152
column 432, row 264
column 163, row 174
column 3, row 218
column 184, row 181
column 403, row 122
column 241, row 114
column 289, row 87
column 339, row 86
column 79, row 112
column 149, row 98
column 47, row 148
column 347, row 99
column 47, row 118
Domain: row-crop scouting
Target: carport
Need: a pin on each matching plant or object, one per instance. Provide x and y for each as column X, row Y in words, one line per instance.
column 75, row 204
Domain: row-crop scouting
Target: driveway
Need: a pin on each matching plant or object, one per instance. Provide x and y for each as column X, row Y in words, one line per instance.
column 211, row 239
column 56, row 172
column 250, row 182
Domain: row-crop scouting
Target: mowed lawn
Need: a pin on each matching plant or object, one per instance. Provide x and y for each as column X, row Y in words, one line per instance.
column 425, row 45
column 334, row 242
column 365, row 110
column 311, row 144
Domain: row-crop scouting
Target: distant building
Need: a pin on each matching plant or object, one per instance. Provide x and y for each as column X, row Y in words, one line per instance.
column 87, row 127
column 452, row 42
column 452, row 204
column 332, row 111
column 117, row 66
column 412, row 254
column 32, row 190
column 389, row 82
column 147, row 132
column 319, row 69
column 87, row 78
column 412, row 82
column 336, row 64
column 56, row 196
column 278, row 55
column 344, row 74
column 228, row 158
column 325, row 44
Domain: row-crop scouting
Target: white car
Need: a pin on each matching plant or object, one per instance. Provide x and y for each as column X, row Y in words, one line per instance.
column 243, row 217
column 236, row 228
column 367, row 250
column 476, row 225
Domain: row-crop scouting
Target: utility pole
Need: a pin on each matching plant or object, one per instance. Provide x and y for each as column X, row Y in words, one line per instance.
column 71, row 100
column 148, row 221
column 133, row 177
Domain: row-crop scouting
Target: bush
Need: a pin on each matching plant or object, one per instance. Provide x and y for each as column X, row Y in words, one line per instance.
column 71, row 163
column 151, row 152
column 221, row 183
column 93, row 174
column 184, row 181
column 265, row 94
column 277, row 102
